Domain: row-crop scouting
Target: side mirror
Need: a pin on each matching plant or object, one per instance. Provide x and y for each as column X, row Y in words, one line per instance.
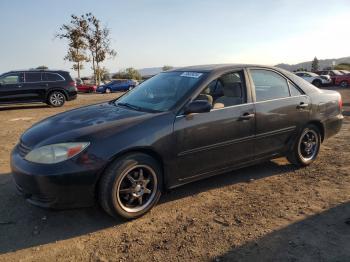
column 197, row 106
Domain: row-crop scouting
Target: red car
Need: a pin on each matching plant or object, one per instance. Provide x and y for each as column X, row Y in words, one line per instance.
column 86, row 88
column 338, row 78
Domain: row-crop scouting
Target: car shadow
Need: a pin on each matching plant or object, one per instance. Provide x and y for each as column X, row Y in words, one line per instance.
column 23, row 225
column 321, row 237
column 23, row 106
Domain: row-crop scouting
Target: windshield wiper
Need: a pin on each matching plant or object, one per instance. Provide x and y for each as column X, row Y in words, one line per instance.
column 137, row 108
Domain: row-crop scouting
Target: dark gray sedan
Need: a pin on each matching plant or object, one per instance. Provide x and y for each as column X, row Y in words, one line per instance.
column 175, row 128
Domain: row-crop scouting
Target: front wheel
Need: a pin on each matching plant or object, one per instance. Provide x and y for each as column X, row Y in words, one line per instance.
column 131, row 186
column 56, row 99
column 344, row 84
column 306, row 147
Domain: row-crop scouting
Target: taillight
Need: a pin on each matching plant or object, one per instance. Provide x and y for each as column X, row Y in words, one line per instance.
column 340, row 104
column 72, row 83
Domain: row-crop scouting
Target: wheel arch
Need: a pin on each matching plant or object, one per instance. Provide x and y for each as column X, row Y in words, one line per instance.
column 320, row 126
column 145, row 150
column 56, row 89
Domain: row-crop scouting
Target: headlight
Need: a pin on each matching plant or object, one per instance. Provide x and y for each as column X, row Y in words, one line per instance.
column 52, row 154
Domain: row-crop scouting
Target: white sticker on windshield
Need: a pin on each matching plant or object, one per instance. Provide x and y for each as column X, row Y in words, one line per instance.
column 191, row 74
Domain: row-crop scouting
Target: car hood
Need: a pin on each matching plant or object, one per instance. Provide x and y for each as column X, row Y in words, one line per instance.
column 74, row 125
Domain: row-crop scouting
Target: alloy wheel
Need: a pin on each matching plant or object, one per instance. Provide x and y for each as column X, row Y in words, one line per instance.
column 137, row 188
column 57, row 99
column 308, row 145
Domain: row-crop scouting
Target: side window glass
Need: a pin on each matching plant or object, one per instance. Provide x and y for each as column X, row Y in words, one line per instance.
column 269, row 85
column 53, row 77
column 225, row 91
column 32, row 77
column 10, row 79
column 294, row 91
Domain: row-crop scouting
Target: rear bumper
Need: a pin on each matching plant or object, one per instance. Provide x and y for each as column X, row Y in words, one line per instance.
column 333, row 125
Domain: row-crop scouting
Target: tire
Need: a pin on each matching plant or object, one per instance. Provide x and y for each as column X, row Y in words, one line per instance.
column 131, row 87
column 344, row 84
column 122, row 186
column 306, row 147
column 108, row 90
column 56, row 99
column 317, row 83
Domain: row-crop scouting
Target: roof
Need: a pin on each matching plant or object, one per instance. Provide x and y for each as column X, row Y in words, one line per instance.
column 37, row 70
column 216, row 67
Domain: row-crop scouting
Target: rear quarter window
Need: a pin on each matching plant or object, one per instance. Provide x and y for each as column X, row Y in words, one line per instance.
column 53, row 77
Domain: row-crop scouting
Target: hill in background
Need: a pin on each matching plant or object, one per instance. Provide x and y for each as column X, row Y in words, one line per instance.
column 323, row 63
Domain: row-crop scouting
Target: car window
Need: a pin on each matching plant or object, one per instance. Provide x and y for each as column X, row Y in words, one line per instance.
column 299, row 74
column 294, row 91
column 161, row 92
column 52, row 77
column 9, row 79
column 269, row 85
column 227, row 90
column 32, row 77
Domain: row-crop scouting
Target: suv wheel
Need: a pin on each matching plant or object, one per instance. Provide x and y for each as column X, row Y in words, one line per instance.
column 131, row 186
column 344, row 83
column 306, row 147
column 56, row 99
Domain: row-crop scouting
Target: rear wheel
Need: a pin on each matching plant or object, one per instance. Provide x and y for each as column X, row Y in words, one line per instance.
column 317, row 83
column 344, row 83
column 306, row 147
column 131, row 186
column 56, row 99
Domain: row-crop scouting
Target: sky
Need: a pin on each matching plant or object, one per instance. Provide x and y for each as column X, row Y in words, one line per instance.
column 153, row 33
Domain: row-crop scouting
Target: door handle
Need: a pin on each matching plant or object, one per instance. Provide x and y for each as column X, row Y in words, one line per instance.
column 246, row 116
column 302, row 105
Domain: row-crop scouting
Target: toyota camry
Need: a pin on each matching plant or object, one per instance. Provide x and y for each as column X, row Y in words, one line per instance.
column 176, row 127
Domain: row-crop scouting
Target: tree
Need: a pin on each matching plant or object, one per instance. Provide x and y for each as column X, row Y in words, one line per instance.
column 300, row 69
column 103, row 74
column 342, row 66
column 98, row 41
column 167, row 67
column 315, row 65
column 42, row 67
column 129, row 73
column 74, row 32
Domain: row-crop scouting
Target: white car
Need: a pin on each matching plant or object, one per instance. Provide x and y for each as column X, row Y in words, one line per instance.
column 315, row 79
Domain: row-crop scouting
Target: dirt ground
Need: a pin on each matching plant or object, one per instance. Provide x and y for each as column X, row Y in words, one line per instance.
column 268, row 212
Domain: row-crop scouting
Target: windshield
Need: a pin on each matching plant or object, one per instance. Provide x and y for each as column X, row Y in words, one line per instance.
column 161, row 92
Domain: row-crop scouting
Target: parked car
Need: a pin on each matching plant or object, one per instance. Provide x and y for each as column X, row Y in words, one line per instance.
column 84, row 87
column 338, row 78
column 169, row 131
column 117, row 86
column 48, row 86
column 315, row 79
column 345, row 72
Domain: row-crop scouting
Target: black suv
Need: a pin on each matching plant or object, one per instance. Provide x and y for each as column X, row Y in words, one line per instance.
column 48, row 86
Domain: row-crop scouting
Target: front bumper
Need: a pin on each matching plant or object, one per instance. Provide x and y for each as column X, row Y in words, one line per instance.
column 69, row 184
